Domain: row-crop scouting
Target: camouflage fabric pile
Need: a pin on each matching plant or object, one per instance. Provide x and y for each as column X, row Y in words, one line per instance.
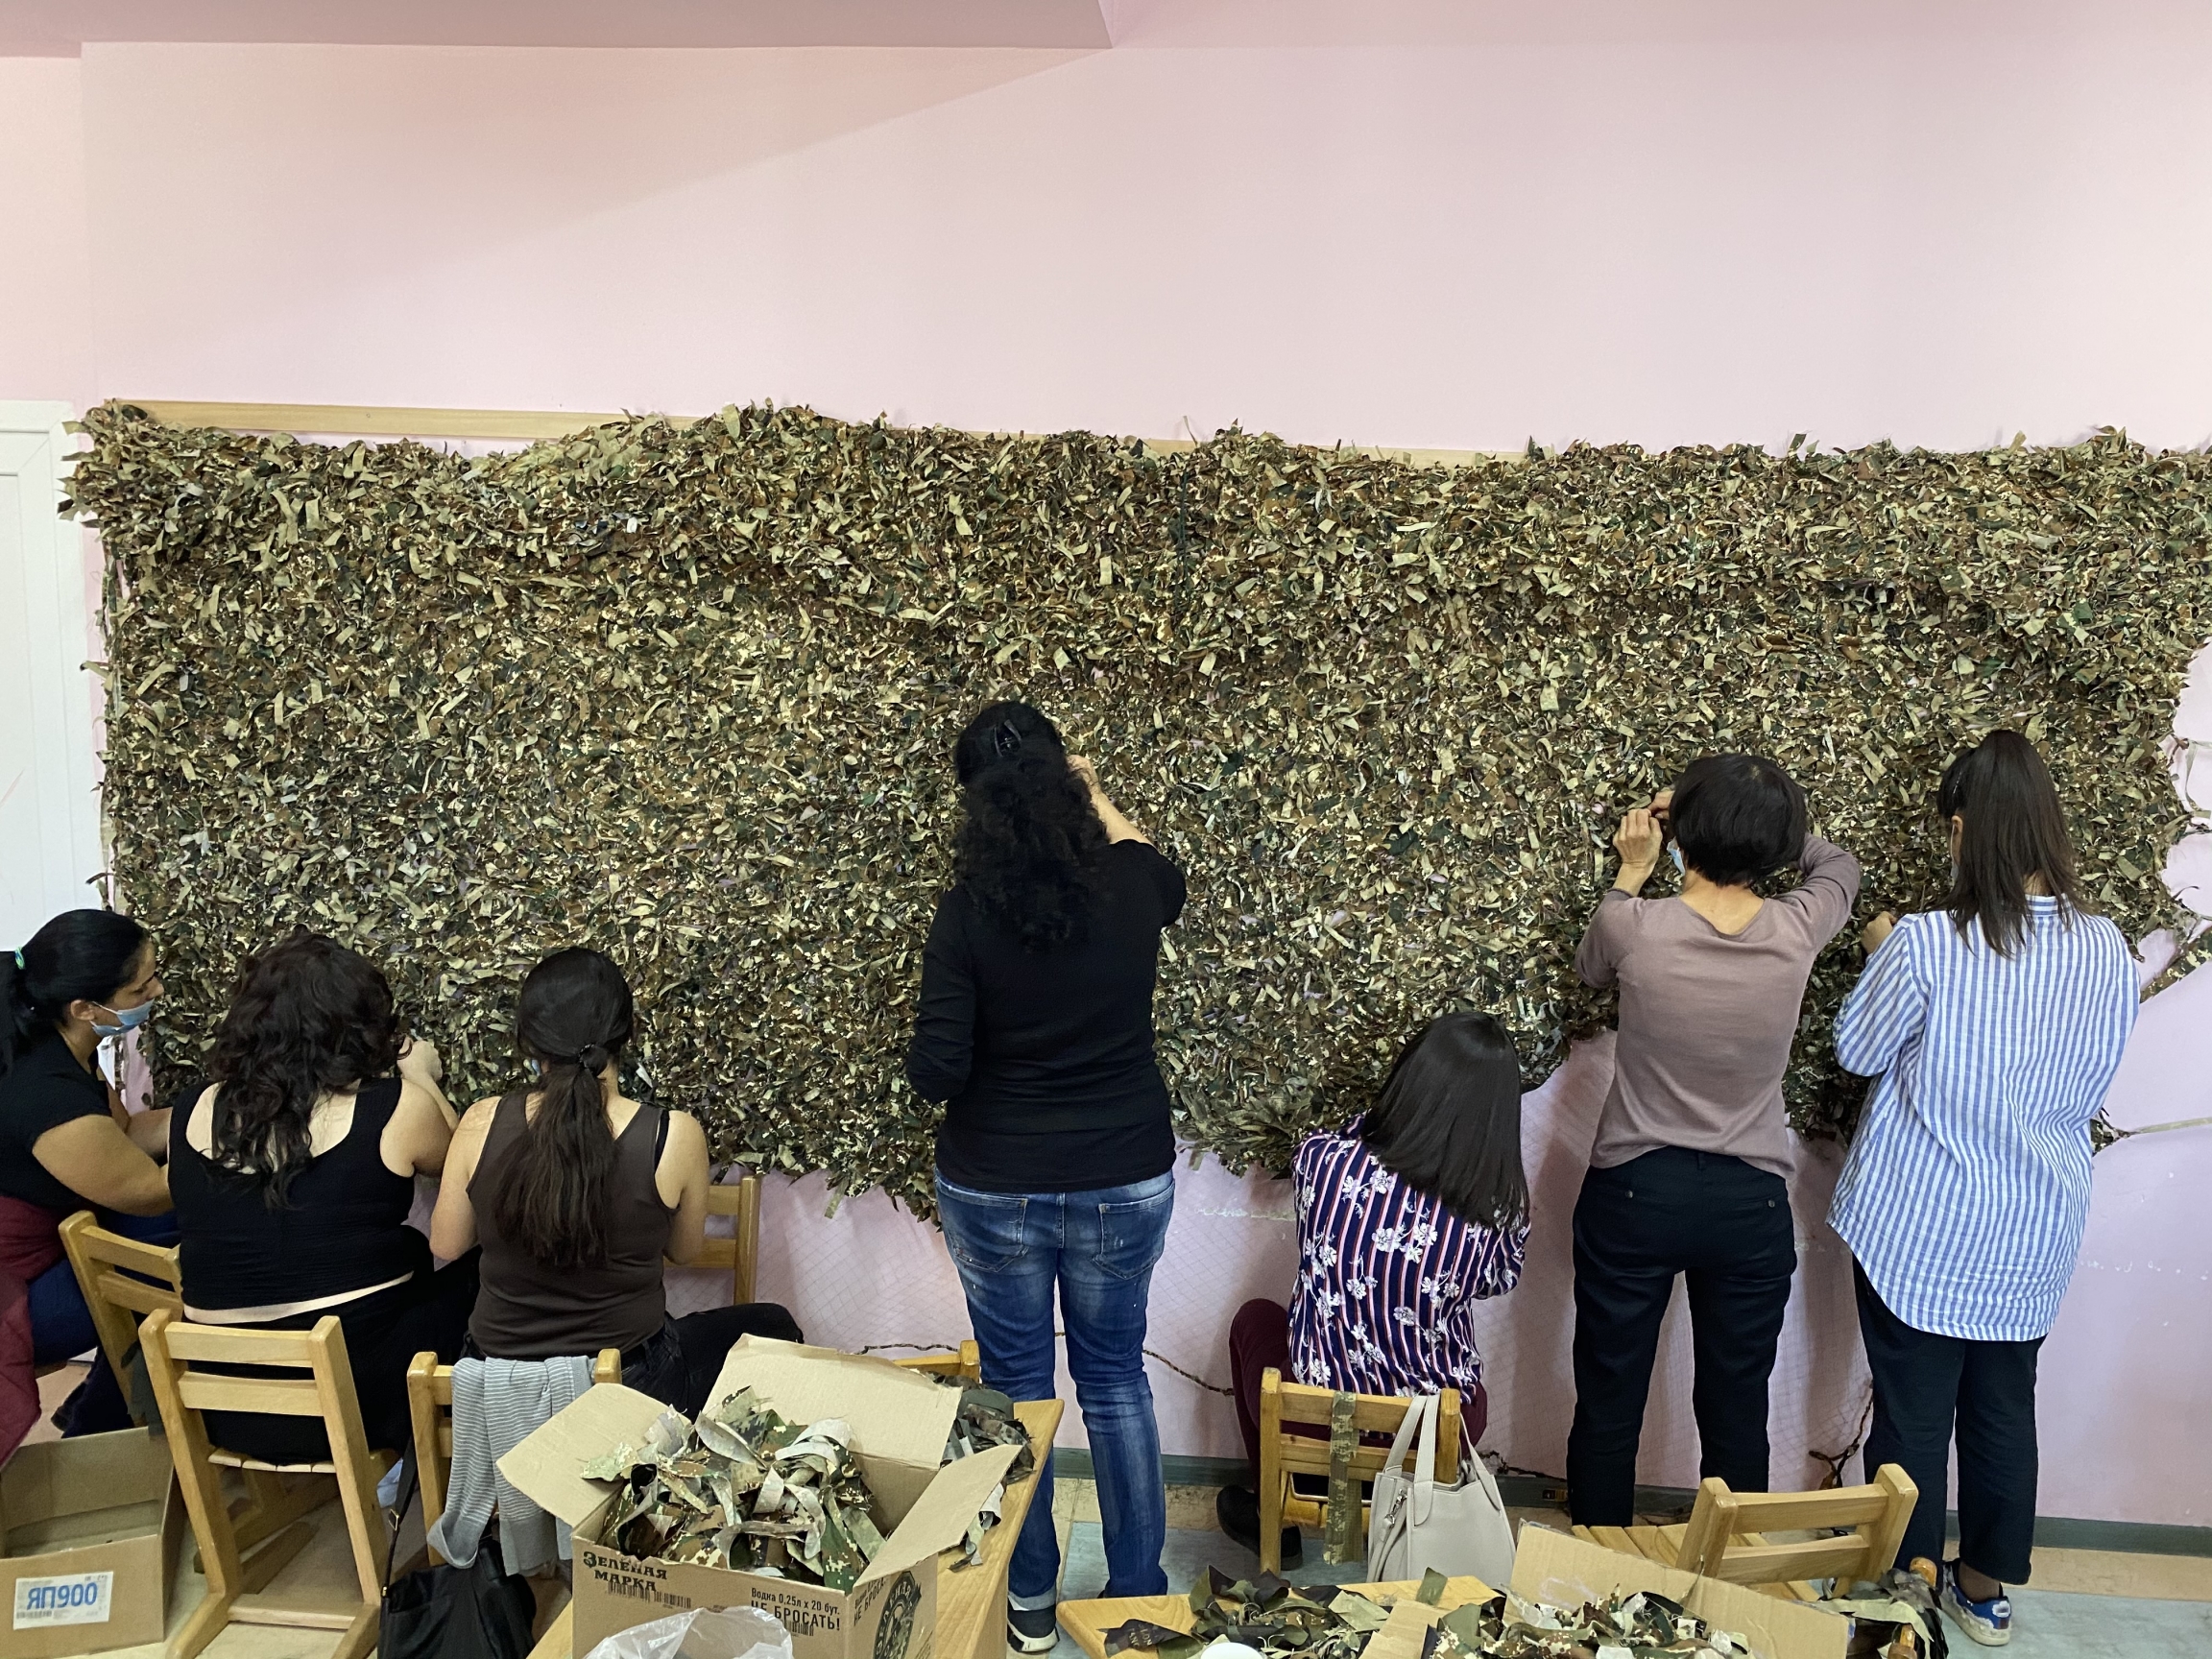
column 744, row 1489
column 688, row 692
column 1282, row 1621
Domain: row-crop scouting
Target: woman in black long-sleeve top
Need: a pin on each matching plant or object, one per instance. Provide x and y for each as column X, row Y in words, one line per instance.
column 1054, row 1161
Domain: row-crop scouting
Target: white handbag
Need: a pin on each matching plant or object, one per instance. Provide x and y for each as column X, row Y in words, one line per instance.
column 1416, row 1524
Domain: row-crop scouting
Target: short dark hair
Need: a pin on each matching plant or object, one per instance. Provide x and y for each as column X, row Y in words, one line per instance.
column 1737, row 817
column 1448, row 1122
column 2013, row 829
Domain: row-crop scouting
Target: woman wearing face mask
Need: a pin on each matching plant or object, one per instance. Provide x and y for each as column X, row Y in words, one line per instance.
column 1054, row 1160
column 1688, row 1173
column 577, row 1194
column 1995, row 1026
column 66, row 1142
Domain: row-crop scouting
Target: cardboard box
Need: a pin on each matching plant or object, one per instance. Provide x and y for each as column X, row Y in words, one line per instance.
column 1565, row 1571
column 89, row 1536
column 899, row 1420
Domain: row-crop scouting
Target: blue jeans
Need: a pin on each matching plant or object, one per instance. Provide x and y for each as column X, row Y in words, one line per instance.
column 1099, row 1247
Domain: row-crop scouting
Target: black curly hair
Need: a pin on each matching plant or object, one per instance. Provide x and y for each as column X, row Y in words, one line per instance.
column 309, row 1019
column 1029, row 850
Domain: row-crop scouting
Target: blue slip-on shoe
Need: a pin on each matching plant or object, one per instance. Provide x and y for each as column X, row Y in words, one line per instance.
column 1989, row 1622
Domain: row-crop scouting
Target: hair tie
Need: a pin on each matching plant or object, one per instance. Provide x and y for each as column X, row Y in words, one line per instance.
column 21, row 966
column 1006, row 740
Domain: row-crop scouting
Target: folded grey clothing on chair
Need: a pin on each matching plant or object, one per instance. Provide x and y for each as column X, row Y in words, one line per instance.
column 498, row 1404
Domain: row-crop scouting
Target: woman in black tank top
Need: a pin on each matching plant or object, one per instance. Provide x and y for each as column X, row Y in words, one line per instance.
column 576, row 1193
column 294, row 1176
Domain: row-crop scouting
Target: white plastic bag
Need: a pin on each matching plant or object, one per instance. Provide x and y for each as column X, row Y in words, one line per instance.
column 704, row 1633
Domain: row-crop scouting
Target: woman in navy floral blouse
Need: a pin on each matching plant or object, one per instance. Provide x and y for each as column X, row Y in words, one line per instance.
column 1408, row 1216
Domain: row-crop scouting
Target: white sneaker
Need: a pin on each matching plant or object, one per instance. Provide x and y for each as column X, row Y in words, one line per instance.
column 1989, row 1622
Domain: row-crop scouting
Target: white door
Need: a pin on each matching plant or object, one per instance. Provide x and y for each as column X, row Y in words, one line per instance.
column 50, row 840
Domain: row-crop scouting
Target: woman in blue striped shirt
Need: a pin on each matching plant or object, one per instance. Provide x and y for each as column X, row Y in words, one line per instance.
column 1994, row 1026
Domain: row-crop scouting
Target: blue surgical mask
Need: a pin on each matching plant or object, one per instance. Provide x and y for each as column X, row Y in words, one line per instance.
column 125, row 1018
column 1675, row 852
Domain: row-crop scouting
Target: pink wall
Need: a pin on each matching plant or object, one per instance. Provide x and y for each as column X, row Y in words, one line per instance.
column 1450, row 226
column 1594, row 229
column 45, row 266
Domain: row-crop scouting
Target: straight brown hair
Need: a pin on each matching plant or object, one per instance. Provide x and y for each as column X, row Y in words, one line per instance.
column 1448, row 1122
column 2014, row 828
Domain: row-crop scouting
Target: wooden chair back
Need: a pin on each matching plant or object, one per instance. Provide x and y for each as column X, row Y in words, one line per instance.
column 105, row 1263
column 175, row 1354
column 1283, row 1454
column 741, row 1252
column 430, row 1411
column 966, row 1362
column 1726, row 1534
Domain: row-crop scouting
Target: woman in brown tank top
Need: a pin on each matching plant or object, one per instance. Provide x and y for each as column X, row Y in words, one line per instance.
column 577, row 1193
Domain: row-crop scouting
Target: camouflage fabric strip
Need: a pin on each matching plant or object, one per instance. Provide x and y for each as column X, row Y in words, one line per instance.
column 1341, row 1520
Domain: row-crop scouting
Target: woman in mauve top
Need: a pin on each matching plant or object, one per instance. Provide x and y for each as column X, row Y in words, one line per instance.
column 1687, row 1175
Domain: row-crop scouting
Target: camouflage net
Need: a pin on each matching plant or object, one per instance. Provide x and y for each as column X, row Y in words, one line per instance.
column 687, row 692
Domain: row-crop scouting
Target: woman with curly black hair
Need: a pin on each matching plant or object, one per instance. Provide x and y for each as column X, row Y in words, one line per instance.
column 1054, row 1159
column 294, row 1175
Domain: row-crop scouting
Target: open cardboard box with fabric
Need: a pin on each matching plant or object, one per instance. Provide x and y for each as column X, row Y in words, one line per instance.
column 899, row 1420
column 1564, row 1572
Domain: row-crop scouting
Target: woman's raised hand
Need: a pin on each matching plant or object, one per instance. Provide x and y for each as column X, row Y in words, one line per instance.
column 419, row 1062
column 1084, row 770
column 1877, row 930
column 1640, row 840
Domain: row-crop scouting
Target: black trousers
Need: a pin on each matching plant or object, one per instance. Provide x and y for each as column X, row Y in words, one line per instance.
column 1928, row 1387
column 1727, row 1226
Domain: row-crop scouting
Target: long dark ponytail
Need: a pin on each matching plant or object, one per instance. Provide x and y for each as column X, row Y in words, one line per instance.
column 1029, row 848
column 574, row 1016
column 309, row 1017
column 87, row 954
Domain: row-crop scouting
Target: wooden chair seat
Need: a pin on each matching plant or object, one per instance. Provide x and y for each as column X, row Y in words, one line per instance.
column 1854, row 1534
column 1284, row 1454
column 966, row 1362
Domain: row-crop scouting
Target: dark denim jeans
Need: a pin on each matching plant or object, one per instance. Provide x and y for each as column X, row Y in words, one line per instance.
column 1099, row 1247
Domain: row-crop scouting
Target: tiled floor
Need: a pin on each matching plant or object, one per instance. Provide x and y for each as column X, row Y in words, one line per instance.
column 2087, row 1603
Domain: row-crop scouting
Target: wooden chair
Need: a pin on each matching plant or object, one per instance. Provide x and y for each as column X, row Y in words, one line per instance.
column 741, row 1252
column 122, row 1279
column 966, row 1362
column 1283, row 1454
column 430, row 1409
column 174, row 1351
column 1725, row 1536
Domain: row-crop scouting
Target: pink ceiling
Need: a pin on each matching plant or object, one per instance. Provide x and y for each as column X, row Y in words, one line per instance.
column 62, row 27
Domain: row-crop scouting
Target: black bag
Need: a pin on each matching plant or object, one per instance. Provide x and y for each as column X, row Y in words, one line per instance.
column 448, row 1612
